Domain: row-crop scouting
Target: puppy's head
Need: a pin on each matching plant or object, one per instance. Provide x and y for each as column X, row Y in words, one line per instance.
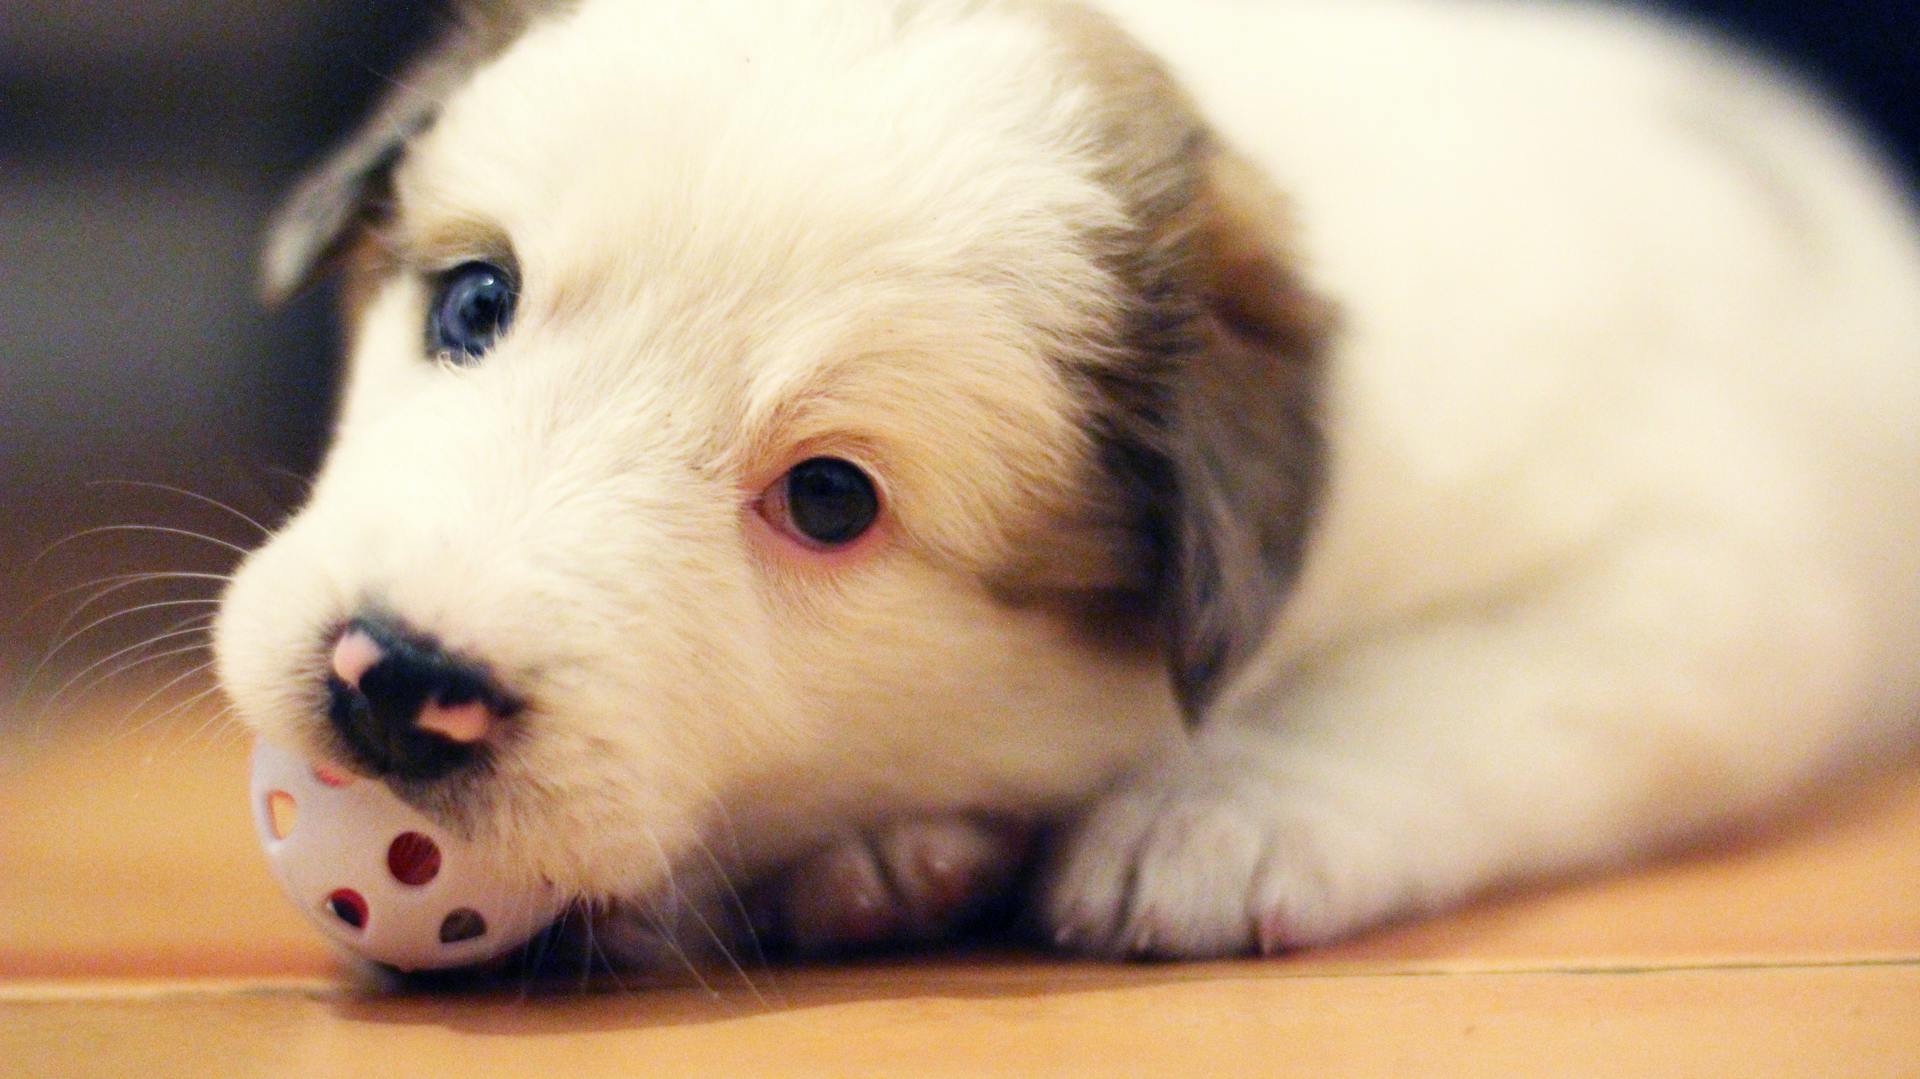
column 766, row 416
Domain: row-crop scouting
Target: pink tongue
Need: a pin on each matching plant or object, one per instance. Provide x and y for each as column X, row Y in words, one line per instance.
column 463, row 723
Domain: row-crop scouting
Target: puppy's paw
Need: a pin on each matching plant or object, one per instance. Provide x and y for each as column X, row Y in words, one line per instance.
column 912, row 881
column 1194, row 865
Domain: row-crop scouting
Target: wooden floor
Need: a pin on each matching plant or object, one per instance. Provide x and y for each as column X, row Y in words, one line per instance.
column 140, row 935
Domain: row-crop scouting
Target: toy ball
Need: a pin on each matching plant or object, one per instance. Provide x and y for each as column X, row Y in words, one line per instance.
column 378, row 877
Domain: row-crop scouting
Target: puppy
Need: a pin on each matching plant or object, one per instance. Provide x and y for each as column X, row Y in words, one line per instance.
column 1317, row 461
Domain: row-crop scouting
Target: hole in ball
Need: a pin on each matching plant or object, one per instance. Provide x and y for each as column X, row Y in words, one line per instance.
column 282, row 811
column 348, row 906
column 413, row 858
column 462, row 924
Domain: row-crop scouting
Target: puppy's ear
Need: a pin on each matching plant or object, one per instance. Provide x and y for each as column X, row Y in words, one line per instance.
column 1239, row 447
column 316, row 222
column 1205, row 406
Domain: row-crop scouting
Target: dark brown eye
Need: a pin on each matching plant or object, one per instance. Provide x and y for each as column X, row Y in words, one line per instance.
column 825, row 500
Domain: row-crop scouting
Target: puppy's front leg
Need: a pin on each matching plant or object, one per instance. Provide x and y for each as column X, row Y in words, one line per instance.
column 1627, row 704
column 911, row 881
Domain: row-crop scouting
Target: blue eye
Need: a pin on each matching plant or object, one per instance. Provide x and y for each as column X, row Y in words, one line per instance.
column 472, row 308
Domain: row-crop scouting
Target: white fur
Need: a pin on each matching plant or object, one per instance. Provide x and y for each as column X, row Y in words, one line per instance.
column 1620, row 539
column 1619, row 535
column 1621, row 527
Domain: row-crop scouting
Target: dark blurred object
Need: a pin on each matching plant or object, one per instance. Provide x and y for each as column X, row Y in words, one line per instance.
column 142, row 143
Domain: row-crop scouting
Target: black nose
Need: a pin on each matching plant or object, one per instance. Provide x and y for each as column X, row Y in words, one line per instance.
column 404, row 706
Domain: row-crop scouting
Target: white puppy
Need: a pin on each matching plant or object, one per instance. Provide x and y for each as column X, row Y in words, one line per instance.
column 1328, row 458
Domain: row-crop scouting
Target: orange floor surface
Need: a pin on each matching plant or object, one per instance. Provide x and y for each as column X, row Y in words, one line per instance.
column 141, row 936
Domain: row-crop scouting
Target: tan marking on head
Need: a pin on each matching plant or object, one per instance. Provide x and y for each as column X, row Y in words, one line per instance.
column 1199, row 200
column 366, row 262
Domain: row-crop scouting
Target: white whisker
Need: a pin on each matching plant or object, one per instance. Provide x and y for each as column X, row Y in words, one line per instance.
column 195, row 495
column 671, row 939
column 305, row 482
column 197, row 624
column 161, row 529
column 102, row 620
column 116, row 582
column 746, row 922
column 173, row 711
column 211, row 723
column 149, row 698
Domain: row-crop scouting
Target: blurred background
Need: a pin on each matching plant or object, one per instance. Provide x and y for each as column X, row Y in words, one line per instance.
column 142, row 142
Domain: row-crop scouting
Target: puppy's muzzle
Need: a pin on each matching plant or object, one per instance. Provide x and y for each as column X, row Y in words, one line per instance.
column 405, row 707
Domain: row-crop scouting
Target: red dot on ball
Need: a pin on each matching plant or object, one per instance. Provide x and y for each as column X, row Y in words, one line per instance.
column 413, row 858
column 332, row 777
column 348, row 906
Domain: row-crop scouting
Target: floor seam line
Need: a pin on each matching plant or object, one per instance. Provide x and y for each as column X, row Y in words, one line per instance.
column 95, row 992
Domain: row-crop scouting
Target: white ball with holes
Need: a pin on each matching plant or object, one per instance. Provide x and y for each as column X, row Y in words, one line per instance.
column 379, row 877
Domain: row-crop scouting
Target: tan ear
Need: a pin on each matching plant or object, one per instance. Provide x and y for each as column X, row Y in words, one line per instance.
column 317, row 221
column 1211, row 449
column 1243, row 249
column 1241, row 436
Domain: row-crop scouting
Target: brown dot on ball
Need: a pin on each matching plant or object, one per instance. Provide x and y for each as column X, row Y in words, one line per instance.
column 413, row 858
column 462, row 924
column 349, row 906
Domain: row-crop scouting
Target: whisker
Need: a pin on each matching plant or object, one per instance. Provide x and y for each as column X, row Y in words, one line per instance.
column 196, row 624
column 75, row 614
column 692, row 906
column 173, row 711
column 724, row 819
column 195, row 495
column 237, row 733
column 613, row 972
column 726, row 952
column 176, row 680
column 658, row 920
column 210, row 723
column 551, row 952
column 124, row 668
column 179, row 706
column 162, row 529
column 535, row 949
column 305, row 482
column 517, row 910
column 117, row 581
column 746, row 922
column 587, row 957
column 102, row 620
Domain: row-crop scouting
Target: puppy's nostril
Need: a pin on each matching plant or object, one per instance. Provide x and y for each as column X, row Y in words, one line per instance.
column 406, row 707
column 353, row 654
column 463, row 723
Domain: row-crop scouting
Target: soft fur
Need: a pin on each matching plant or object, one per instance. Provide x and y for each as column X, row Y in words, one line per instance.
column 1395, row 448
